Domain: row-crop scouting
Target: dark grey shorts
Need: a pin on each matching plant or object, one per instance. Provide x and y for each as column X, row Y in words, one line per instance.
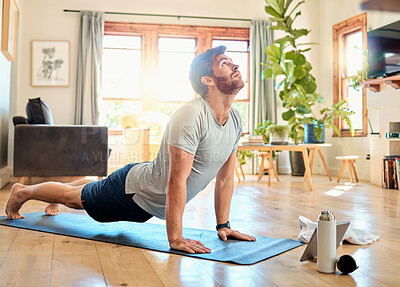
column 105, row 200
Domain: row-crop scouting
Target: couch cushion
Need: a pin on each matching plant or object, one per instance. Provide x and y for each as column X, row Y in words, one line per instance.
column 38, row 112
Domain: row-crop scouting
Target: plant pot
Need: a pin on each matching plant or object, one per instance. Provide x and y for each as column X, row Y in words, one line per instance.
column 309, row 134
column 277, row 140
column 297, row 163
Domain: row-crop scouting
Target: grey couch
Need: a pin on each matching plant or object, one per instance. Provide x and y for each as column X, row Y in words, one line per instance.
column 55, row 150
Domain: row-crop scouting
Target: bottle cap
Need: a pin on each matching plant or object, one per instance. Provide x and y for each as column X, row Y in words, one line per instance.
column 326, row 216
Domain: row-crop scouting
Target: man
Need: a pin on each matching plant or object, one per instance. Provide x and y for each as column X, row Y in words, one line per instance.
column 199, row 143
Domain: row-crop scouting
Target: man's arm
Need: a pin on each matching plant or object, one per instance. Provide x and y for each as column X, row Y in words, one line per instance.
column 180, row 166
column 223, row 194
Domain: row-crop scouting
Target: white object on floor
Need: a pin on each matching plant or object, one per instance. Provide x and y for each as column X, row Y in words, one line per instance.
column 353, row 234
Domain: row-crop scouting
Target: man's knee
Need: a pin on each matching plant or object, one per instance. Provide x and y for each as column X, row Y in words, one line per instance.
column 73, row 197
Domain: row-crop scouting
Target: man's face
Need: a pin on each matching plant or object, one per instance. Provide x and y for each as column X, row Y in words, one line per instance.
column 226, row 75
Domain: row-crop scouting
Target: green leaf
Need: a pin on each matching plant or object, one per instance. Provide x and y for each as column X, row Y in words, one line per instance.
column 297, row 33
column 267, row 73
column 297, row 15
column 277, row 70
column 288, row 22
column 277, row 19
column 275, row 5
column 288, row 2
column 271, row 11
column 299, row 60
column 320, row 98
column 283, row 40
column 299, row 72
column 277, row 86
column 295, row 7
column 305, row 50
column 273, row 51
column 288, row 115
column 307, row 66
column 336, row 130
column 283, row 28
column 290, row 55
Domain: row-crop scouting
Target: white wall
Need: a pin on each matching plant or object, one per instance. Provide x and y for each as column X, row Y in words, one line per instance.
column 5, row 79
column 7, row 91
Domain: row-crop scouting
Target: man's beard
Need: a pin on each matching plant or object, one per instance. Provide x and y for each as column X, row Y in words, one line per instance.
column 228, row 85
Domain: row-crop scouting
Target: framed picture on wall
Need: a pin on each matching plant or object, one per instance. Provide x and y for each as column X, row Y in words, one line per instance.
column 9, row 29
column 50, row 63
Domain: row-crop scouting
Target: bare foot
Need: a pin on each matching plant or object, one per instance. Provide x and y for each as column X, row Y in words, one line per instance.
column 14, row 202
column 52, row 209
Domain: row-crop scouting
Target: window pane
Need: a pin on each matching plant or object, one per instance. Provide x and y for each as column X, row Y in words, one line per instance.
column 243, row 109
column 355, row 104
column 354, row 53
column 174, row 64
column 238, row 46
column 176, row 45
column 111, row 112
column 121, row 74
column 122, row 42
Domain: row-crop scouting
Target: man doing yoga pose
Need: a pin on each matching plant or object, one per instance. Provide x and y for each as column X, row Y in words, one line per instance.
column 199, row 143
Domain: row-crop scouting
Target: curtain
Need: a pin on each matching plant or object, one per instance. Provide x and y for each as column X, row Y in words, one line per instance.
column 89, row 76
column 262, row 94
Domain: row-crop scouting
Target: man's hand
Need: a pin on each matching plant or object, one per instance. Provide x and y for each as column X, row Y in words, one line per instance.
column 189, row 245
column 223, row 233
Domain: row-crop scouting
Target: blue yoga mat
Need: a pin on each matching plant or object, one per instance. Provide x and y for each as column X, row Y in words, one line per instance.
column 153, row 237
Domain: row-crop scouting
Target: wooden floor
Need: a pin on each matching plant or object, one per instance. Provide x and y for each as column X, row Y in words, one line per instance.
column 29, row 258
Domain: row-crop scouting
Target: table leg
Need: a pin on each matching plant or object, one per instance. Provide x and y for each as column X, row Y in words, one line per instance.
column 270, row 167
column 350, row 171
column 307, row 167
column 237, row 174
column 275, row 172
column 341, row 170
column 323, row 161
column 241, row 170
column 354, row 169
column 311, row 156
column 261, row 168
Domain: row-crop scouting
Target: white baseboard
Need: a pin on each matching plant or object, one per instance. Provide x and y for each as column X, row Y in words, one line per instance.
column 4, row 176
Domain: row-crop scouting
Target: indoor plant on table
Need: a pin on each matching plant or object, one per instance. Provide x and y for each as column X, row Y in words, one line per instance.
column 291, row 70
column 278, row 134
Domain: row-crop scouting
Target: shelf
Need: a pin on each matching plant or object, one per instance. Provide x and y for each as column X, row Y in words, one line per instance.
column 375, row 85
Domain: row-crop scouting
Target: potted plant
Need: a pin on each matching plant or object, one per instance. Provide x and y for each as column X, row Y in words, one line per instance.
column 297, row 87
column 261, row 129
column 289, row 66
column 278, row 134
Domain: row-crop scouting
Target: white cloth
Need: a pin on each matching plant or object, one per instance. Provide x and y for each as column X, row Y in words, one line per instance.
column 353, row 234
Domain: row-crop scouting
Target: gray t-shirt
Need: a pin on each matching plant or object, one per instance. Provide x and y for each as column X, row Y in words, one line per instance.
column 193, row 128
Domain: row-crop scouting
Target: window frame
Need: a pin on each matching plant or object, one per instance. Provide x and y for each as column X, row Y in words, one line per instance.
column 340, row 33
column 150, row 33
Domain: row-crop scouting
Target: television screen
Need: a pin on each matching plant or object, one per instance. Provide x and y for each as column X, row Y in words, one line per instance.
column 384, row 51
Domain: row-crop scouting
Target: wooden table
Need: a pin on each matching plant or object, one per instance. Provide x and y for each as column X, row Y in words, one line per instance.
column 303, row 148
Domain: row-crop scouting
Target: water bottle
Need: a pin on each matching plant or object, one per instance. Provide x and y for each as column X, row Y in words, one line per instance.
column 326, row 242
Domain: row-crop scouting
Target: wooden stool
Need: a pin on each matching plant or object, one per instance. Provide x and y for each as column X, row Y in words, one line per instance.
column 263, row 156
column 238, row 166
column 350, row 159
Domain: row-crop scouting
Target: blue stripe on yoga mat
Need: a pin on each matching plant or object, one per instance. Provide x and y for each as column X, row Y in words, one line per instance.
column 153, row 236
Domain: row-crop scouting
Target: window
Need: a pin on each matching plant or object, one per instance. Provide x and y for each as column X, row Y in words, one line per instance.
column 349, row 48
column 146, row 66
column 121, row 79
